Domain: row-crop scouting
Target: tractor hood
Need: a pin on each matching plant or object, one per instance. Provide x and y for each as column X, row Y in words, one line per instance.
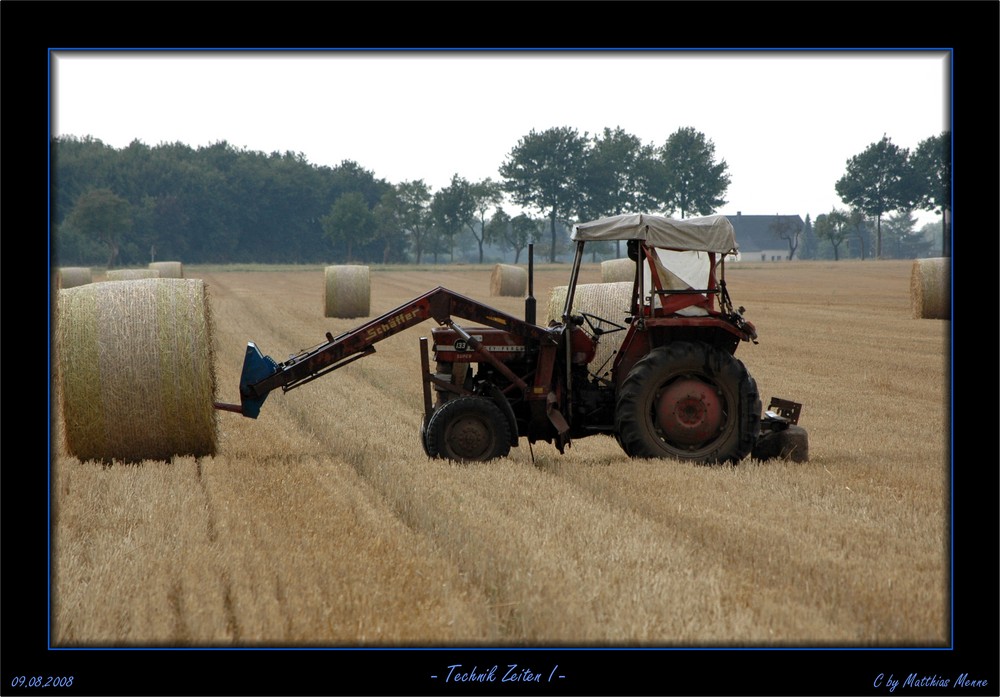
column 712, row 233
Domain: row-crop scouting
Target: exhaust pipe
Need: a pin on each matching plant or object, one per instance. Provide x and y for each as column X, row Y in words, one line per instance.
column 529, row 302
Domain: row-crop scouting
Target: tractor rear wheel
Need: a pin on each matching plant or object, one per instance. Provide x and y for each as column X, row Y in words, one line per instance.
column 467, row 429
column 423, row 438
column 690, row 401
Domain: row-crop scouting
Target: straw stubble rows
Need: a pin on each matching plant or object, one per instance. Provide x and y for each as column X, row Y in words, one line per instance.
column 323, row 523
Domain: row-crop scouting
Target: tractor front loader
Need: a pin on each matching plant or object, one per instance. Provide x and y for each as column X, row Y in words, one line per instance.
column 673, row 389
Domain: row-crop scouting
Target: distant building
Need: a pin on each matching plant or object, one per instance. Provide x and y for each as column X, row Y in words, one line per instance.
column 756, row 236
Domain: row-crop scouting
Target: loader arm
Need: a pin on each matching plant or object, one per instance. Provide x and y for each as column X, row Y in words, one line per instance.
column 262, row 374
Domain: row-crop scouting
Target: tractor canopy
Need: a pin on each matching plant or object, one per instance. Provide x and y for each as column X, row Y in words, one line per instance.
column 712, row 233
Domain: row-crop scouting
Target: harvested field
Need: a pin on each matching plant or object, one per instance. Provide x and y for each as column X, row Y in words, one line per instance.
column 322, row 523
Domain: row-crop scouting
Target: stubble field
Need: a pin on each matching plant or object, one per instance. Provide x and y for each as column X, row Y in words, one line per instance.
column 322, row 523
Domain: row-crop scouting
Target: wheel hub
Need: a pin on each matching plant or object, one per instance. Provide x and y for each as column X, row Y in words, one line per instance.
column 689, row 412
column 469, row 438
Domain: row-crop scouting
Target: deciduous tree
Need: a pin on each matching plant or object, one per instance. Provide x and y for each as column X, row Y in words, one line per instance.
column 390, row 225
column 513, row 233
column 833, row 227
column 450, row 208
column 692, row 181
column 543, row 172
column 349, row 221
column 878, row 181
column 788, row 229
column 485, row 195
column 102, row 215
column 463, row 204
column 932, row 169
column 619, row 176
column 857, row 221
column 414, row 196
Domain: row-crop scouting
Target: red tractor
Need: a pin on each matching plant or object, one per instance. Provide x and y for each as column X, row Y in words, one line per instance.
column 673, row 387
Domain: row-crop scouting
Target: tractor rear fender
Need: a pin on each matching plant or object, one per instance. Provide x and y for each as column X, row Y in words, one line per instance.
column 643, row 337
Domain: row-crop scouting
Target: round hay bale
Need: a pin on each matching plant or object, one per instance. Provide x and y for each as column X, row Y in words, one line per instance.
column 507, row 279
column 131, row 274
column 608, row 301
column 930, row 288
column 348, row 291
column 168, row 269
column 135, row 366
column 72, row 276
column 615, row 270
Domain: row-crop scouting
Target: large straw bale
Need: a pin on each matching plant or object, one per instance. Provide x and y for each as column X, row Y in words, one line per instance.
column 608, row 301
column 72, row 276
column 348, row 291
column 507, row 279
column 614, row 270
column 131, row 274
column 930, row 288
column 134, row 361
column 168, row 269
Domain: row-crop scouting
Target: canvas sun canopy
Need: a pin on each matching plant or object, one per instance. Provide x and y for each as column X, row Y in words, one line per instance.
column 712, row 233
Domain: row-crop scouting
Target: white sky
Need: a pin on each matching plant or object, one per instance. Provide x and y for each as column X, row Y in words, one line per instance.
column 785, row 122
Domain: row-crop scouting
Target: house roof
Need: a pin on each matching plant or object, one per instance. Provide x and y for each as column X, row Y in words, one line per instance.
column 754, row 233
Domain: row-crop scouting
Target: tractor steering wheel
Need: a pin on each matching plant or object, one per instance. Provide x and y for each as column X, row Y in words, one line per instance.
column 596, row 329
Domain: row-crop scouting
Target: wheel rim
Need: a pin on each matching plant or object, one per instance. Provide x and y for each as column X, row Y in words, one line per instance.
column 688, row 412
column 469, row 437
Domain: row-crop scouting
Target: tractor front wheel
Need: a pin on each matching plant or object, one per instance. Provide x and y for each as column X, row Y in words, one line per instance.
column 690, row 401
column 467, row 429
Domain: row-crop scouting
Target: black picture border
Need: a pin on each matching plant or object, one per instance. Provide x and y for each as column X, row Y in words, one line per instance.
column 30, row 30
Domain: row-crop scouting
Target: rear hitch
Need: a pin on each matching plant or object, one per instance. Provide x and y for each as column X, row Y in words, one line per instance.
column 783, row 412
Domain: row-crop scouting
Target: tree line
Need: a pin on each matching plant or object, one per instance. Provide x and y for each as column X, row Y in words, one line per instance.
column 886, row 179
column 222, row 204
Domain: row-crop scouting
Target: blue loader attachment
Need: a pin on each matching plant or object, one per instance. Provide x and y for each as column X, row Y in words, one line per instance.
column 256, row 367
